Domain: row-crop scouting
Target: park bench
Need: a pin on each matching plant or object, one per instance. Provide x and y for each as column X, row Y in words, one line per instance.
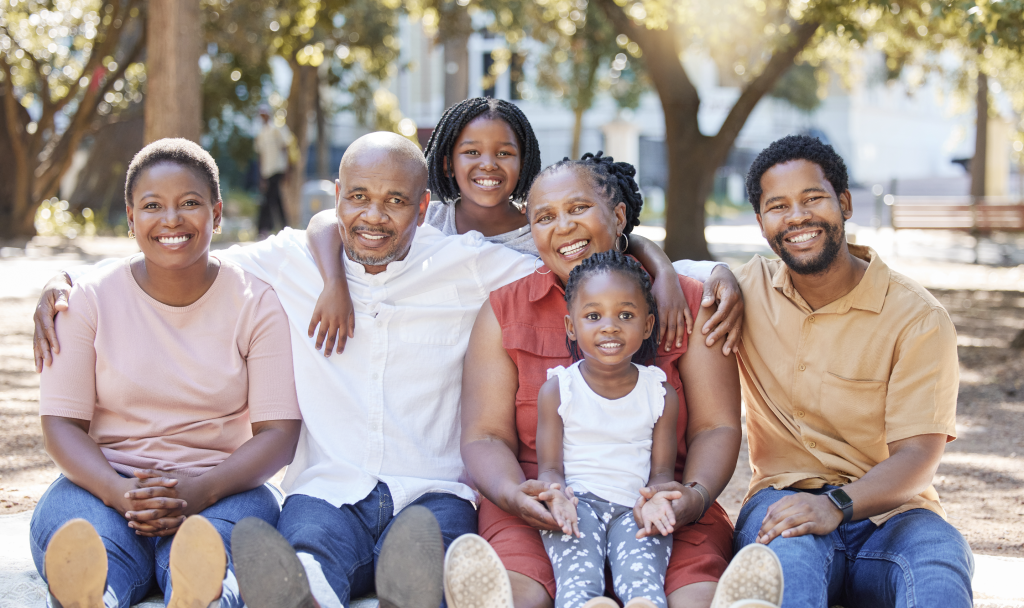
column 979, row 217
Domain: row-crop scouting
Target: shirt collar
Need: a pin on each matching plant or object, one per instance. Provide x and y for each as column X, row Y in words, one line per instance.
column 869, row 294
column 542, row 283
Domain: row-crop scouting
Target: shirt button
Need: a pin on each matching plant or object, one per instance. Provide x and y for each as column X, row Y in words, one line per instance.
column 811, row 444
column 379, row 324
column 811, row 319
column 802, row 368
column 375, row 375
column 800, row 414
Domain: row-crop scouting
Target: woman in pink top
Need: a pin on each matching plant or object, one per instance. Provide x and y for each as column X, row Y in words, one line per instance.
column 173, row 395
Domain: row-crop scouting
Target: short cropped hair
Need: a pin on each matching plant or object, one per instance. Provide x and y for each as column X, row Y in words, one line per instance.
column 796, row 147
column 178, row 151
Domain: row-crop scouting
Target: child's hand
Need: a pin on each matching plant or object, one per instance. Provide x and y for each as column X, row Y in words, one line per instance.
column 657, row 514
column 562, row 505
column 336, row 317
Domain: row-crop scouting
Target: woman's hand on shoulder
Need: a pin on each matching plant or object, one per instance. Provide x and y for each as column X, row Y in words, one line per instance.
column 674, row 314
column 54, row 299
column 153, row 505
column 336, row 317
column 723, row 289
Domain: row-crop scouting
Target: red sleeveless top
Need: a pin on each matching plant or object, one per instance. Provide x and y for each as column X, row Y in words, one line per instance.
column 531, row 313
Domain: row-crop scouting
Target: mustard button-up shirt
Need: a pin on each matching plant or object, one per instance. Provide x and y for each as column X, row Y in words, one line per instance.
column 827, row 390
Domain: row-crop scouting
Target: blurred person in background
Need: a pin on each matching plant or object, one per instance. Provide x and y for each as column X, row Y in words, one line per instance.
column 272, row 146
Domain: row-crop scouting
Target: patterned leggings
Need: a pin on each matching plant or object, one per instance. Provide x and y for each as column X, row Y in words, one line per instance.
column 609, row 533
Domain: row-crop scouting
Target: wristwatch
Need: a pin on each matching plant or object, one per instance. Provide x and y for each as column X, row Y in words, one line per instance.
column 843, row 502
column 704, row 496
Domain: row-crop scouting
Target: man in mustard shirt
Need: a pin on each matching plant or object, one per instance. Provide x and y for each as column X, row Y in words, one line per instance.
column 849, row 373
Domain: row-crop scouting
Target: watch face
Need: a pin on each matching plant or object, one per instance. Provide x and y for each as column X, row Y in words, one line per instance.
column 842, row 498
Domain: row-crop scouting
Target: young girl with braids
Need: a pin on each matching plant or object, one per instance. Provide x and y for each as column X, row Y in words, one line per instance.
column 606, row 427
column 482, row 158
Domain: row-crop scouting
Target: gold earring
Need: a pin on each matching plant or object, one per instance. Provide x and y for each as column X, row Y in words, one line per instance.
column 131, row 233
column 217, row 229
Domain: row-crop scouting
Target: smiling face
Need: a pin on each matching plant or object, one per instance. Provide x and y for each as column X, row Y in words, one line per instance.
column 173, row 213
column 381, row 198
column 486, row 161
column 802, row 217
column 571, row 220
column 609, row 319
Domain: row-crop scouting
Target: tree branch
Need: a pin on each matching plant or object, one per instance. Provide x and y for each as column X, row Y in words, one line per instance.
column 661, row 58
column 49, row 174
column 757, row 88
column 11, row 106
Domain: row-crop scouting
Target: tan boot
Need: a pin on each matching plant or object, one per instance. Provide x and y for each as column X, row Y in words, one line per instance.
column 474, row 576
column 197, row 564
column 76, row 565
column 755, row 573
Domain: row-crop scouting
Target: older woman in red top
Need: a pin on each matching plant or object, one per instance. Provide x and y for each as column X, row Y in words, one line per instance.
column 577, row 208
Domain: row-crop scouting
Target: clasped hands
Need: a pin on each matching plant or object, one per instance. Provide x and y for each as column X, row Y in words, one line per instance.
column 154, row 503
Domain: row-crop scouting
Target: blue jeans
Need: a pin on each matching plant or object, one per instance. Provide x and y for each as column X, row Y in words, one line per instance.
column 135, row 563
column 345, row 541
column 915, row 559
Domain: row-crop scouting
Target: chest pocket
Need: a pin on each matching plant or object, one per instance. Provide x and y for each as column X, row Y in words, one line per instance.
column 431, row 317
column 855, row 408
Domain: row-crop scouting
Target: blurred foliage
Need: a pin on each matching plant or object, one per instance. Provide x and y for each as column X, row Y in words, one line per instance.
column 799, row 86
column 54, row 219
column 66, row 68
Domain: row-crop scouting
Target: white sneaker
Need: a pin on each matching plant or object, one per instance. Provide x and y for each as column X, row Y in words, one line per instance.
column 752, row 580
column 474, row 576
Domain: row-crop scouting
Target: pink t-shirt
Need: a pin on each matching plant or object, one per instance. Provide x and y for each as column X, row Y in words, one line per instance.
column 167, row 387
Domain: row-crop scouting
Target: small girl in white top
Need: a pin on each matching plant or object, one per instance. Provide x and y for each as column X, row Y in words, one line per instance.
column 606, row 427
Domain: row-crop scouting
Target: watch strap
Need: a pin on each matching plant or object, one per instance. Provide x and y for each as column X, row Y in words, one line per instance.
column 847, row 509
column 705, row 497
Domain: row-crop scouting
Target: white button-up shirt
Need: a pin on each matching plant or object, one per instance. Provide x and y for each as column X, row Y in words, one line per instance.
column 387, row 409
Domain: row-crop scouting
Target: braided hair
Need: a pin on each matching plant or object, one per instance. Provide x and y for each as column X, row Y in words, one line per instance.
column 454, row 120
column 614, row 261
column 614, row 180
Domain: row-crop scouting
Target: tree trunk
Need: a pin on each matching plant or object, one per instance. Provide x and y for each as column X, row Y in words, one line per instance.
column 692, row 156
column 301, row 101
column 454, row 30
column 979, row 162
column 577, row 131
column 323, row 147
column 173, row 79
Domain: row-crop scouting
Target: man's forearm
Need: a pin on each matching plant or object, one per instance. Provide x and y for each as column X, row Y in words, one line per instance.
column 906, row 473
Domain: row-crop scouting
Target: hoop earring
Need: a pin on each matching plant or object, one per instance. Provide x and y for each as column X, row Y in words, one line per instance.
column 624, row 247
column 131, row 233
column 519, row 205
column 536, row 268
column 458, row 199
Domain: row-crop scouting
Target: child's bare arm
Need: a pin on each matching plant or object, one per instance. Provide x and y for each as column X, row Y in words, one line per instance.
column 657, row 512
column 675, row 314
column 333, row 312
column 550, row 469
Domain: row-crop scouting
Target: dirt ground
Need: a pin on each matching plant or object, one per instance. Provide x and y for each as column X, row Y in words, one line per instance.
column 980, row 479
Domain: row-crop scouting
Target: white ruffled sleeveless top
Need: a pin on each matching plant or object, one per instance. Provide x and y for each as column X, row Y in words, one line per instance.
column 606, row 443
